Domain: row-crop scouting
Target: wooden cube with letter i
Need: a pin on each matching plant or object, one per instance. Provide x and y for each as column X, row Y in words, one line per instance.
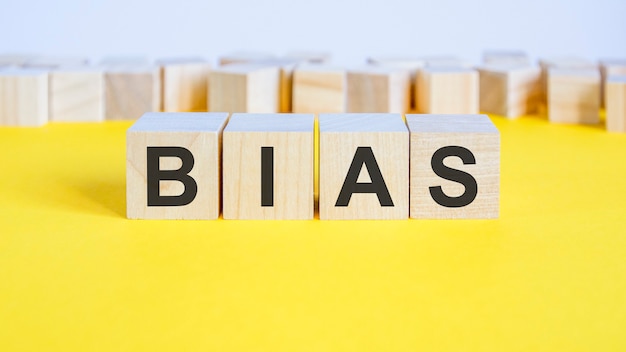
column 268, row 167
column 455, row 167
column 173, row 166
column 364, row 167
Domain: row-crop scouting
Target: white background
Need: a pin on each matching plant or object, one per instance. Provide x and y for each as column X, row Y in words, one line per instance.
column 349, row 30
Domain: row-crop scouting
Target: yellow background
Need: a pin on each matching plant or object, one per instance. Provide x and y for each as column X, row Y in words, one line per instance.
column 549, row 275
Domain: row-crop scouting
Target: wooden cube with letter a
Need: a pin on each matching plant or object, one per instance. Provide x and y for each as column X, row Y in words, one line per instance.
column 268, row 167
column 443, row 90
column 23, row 97
column 455, row 167
column 173, row 166
column 364, row 167
column 574, row 96
column 252, row 88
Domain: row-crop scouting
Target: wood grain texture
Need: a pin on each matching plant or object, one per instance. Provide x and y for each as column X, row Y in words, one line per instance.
column 616, row 104
column 447, row 91
column 286, row 68
column 291, row 137
column 378, row 90
column 319, row 89
column 250, row 88
column 200, row 133
column 23, row 97
column 509, row 91
column 559, row 62
column 573, row 96
column 131, row 91
column 476, row 133
column 388, row 138
column 77, row 95
column 185, row 84
column 413, row 65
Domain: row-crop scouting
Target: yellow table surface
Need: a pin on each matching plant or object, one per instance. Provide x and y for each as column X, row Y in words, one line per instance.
column 549, row 275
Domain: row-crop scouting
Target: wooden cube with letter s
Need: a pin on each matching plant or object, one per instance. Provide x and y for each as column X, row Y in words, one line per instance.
column 173, row 166
column 455, row 167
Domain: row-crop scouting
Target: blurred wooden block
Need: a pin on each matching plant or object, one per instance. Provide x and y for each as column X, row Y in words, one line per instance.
column 616, row 104
column 185, row 84
column 564, row 62
column 573, row 96
column 248, row 88
column 130, row 91
column 23, row 97
column 506, row 57
column 447, row 91
column 610, row 67
column 268, row 167
column 312, row 57
column 319, row 89
column 413, row 65
column 455, row 167
column 55, row 62
column 374, row 89
column 364, row 167
column 77, row 94
column 173, row 166
column 509, row 91
column 244, row 57
column 286, row 68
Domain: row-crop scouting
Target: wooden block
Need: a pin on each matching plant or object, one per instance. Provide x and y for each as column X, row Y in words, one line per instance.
column 455, row 167
column 23, row 97
column 364, row 167
column 251, row 88
column 509, row 91
column 447, row 91
column 564, row 62
column 268, row 167
column 506, row 57
column 173, row 166
column 131, row 91
column 413, row 65
column 55, row 62
column 319, row 89
column 185, row 84
column 244, row 57
column 573, row 96
column 610, row 67
column 616, row 104
column 286, row 68
column 77, row 94
column 312, row 57
column 373, row 89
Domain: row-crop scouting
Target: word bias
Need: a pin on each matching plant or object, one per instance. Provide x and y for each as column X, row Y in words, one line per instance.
column 261, row 166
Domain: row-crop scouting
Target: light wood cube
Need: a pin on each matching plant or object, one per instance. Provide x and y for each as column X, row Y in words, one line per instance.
column 250, row 88
column 131, row 90
column 77, row 94
column 455, row 167
column 374, row 89
column 616, row 104
column 509, row 91
column 565, row 63
column 413, row 65
column 506, row 57
column 185, row 84
column 268, row 167
column 573, row 96
column 173, row 166
column 319, row 89
column 286, row 68
column 244, row 57
column 23, row 97
column 610, row 67
column 364, row 167
column 447, row 91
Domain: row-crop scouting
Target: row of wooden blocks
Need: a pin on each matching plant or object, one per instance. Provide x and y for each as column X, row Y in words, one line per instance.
column 567, row 90
column 261, row 166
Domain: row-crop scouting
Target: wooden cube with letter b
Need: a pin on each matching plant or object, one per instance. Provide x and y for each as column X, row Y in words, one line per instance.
column 455, row 167
column 364, row 167
column 173, row 166
column 268, row 167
